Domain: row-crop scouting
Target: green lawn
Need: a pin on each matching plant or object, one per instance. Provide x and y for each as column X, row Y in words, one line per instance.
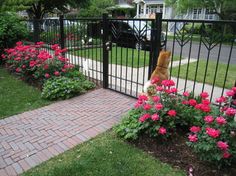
column 220, row 76
column 105, row 155
column 16, row 96
column 121, row 56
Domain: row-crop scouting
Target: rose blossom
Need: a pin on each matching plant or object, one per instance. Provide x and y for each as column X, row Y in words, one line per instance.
column 220, row 99
column 159, row 106
column 193, row 138
column 159, row 88
column 206, row 102
column 195, row 129
column 56, row 73
column 144, row 117
column 234, row 89
column 18, row 70
column 155, row 117
column 213, row 132
column 155, row 98
column 23, row 66
column 154, row 80
column 204, row 95
column 192, row 102
column 147, row 107
column 47, row 75
column 143, row 97
column 162, row 130
column 186, row 94
column 222, row 145
column 208, row 119
column 185, row 102
column 230, row 93
column 230, row 111
column 172, row 113
column 221, row 120
column 226, row 155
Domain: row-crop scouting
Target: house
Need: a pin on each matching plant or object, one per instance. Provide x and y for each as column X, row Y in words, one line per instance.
column 122, row 9
column 147, row 9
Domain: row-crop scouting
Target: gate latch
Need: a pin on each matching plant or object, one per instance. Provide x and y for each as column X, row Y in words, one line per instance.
column 108, row 45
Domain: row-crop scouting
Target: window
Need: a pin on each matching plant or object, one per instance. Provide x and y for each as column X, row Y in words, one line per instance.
column 197, row 13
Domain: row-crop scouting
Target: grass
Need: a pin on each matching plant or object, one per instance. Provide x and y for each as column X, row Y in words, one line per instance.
column 16, row 96
column 105, row 155
column 220, row 76
column 120, row 56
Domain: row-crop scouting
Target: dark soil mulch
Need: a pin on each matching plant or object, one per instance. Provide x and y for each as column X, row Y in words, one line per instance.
column 179, row 155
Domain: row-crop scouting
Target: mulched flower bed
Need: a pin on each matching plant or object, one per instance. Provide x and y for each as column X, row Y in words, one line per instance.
column 176, row 153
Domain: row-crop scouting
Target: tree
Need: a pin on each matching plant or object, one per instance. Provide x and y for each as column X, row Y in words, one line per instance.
column 225, row 9
column 38, row 8
column 95, row 8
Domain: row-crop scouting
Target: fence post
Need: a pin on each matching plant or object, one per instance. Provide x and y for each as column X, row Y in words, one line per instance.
column 62, row 35
column 36, row 26
column 155, row 43
column 105, row 34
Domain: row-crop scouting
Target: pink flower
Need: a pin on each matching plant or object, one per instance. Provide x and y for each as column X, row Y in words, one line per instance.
column 18, row 69
column 45, row 67
column 39, row 43
column 208, row 119
column 213, row 132
column 155, row 80
column 186, row 94
column 159, row 106
column 147, row 107
column 162, row 131
column 155, row 98
column 204, row 95
column 173, row 90
column 193, row 138
column 221, row 120
column 195, row 129
column 3, row 56
column 220, row 99
column 206, row 102
column 185, row 102
column 159, row 88
column 226, row 155
column 234, row 89
column 32, row 63
column 23, row 66
column 19, row 43
column 192, row 102
column 172, row 113
column 230, row 93
column 143, row 97
column 230, row 112
column 47, row 75
column 56, row 73
column 155, row 117
column 144, row 117
column 222, row 145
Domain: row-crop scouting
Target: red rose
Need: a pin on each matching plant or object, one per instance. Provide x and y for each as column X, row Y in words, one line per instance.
column 172, row 113
column 222, row 145
column 147, row 107
column 192, row 102
column 186, row 94
column 144, row 117
column 221, row 120
column 155, row 98
column 154, row 80
column 155, row 117
column 221, row 99
column 213, row 132
column 230, row 111
column 56, row 73
column 47, row 75
column 208, row 119
column 204, row 95
column 230, row 93
column 226, row 155
column 195, row 129
column 159, row 106
column 162, row 131
column 193, row 138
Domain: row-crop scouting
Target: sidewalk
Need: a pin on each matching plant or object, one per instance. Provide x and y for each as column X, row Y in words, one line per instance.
column 33, row 137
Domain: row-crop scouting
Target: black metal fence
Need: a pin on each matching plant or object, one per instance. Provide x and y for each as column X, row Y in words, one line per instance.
column 122, row 53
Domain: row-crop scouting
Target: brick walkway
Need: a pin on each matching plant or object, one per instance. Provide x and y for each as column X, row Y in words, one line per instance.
column 30, row 138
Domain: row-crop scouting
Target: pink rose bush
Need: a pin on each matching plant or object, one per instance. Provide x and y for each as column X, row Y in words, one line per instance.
column 163, row 112
column 32, row 63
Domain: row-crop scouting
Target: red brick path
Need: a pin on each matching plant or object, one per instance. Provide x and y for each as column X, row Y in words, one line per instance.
column 30, row 138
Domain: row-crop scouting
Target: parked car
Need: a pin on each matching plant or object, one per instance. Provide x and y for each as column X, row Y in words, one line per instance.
column 132, row 33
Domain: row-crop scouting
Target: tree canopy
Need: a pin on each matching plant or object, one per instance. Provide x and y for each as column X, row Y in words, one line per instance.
column 95, row 8
column 225, row 9
column 38, row 8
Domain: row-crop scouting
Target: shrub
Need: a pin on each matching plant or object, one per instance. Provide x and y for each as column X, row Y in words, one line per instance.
column 215, row 139
column 12, row 29
column 33, row 63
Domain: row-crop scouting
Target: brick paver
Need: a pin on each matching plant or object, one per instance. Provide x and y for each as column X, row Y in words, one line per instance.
column 32, row 137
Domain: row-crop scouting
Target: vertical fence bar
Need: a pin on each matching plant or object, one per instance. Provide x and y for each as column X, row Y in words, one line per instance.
column 155, row 42
column 105, row 51
column 36, row 26
column 62, row 34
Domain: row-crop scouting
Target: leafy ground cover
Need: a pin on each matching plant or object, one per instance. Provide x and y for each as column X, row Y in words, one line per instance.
column 220, row 76
column 121, row 56
column 16, row 96
column 104, row 155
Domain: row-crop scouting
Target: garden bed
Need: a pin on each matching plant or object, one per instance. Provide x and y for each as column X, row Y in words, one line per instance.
column 176, row 153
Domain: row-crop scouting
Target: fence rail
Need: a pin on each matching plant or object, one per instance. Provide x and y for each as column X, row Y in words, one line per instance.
column 122, row 53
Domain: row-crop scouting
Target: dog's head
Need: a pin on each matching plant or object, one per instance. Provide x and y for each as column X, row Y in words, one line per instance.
column 164, row 59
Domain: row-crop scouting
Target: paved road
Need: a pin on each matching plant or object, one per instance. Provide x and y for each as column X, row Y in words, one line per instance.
column 213, row 54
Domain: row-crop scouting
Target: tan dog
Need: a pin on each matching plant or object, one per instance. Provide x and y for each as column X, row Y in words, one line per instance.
column 161, row 71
